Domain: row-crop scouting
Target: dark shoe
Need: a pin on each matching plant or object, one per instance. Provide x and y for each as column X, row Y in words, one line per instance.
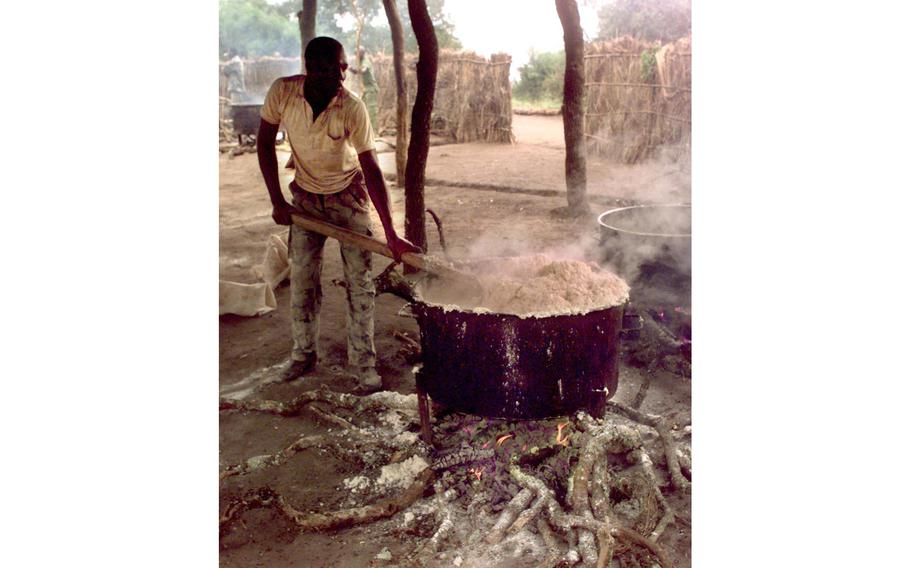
column 368, row 380
column 296, row 369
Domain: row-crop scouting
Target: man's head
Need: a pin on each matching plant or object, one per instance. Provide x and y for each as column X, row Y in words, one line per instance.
column 326, row 63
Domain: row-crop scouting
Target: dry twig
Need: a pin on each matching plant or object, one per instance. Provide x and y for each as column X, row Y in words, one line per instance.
column 668, row 516
column 344, row 400
column 508, row 515
column 442, row 236
column 666, row 437
column 406, row 339
column 261, row 462
column 268, row 497
column 330, row 418
column 528, row 514
column 564, row 521
column 628, row 535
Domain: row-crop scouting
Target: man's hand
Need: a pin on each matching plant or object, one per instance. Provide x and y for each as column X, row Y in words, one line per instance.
column 399, row 246
column 281, row 213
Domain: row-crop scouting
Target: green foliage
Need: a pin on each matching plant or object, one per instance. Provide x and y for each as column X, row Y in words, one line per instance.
column 539, row 104
column 326, row 12
column 445, row 30
column 664, row 20
column 252, row 28
column 541, row 77
column 376, row 37
column 648, row 64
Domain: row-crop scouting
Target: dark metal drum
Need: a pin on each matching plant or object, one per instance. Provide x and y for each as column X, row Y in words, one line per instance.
column 507, row 366
column 246, row 118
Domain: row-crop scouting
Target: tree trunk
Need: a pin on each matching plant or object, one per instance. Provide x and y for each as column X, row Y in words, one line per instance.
column 573, row 113
column 358, row 18
column 306, row 18
column 419, row 148
column 401, row 85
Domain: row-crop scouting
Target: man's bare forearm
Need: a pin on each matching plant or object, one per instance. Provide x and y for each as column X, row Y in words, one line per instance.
column 268, row 164
column 379, row 194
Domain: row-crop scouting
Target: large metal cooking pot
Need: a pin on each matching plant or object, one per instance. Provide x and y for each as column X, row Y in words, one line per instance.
column 506, row 366
column 246, row 118
column 651, row 247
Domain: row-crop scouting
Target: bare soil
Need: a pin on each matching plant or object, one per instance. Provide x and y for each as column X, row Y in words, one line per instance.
column 492, row 216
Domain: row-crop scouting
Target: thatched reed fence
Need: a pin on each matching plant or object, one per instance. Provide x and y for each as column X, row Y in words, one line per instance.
column 638, row 99
column 473, row 95
column 259, row 73
column 638, row 96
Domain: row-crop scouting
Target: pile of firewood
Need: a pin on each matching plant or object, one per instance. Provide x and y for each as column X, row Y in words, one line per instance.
column 569, row 490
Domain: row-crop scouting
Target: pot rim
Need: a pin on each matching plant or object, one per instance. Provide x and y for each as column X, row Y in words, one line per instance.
column 603, row 223
column 483, row 312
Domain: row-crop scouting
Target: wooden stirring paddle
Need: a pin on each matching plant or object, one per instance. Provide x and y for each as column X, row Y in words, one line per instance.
column 418, row 261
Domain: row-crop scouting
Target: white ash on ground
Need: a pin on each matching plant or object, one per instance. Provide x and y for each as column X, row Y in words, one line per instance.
column 401, row 474
column 497, row 492
column 357, row 483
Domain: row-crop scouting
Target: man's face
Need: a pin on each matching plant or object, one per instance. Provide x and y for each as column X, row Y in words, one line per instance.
column 328, row 73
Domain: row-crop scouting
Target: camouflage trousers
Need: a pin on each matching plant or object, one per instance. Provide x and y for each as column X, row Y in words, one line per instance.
column 348, row 209
column 370, row 98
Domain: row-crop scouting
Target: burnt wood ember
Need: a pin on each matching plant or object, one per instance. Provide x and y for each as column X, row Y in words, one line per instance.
column 661, row 338
column 511, row 367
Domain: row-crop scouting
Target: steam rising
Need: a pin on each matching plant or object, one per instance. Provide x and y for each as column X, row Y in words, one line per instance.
column 647, row 246
column 651, row 247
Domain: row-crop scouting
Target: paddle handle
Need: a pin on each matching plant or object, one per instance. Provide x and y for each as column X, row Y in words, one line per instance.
column 359, row 240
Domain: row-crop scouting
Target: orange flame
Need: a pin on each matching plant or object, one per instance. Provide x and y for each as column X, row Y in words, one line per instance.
column 559, row 439
column 502, row 439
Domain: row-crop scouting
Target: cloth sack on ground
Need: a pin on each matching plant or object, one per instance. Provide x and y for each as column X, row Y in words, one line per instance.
column 245, row 299
column 274, row 268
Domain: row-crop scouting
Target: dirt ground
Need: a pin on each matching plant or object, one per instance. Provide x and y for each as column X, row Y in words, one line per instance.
column 492, row 199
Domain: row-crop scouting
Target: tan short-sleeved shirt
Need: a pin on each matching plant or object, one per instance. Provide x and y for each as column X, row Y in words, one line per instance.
column 325, row 151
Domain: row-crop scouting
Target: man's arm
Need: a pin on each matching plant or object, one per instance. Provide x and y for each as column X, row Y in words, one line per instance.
column 268, row 165
column 379, row 195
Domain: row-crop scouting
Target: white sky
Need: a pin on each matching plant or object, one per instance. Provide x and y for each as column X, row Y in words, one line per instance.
column 510, row 26
column 514, row 26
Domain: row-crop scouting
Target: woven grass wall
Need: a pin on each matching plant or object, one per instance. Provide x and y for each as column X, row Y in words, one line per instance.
column 638, row 99
column 473, row 99
column 259, row 73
